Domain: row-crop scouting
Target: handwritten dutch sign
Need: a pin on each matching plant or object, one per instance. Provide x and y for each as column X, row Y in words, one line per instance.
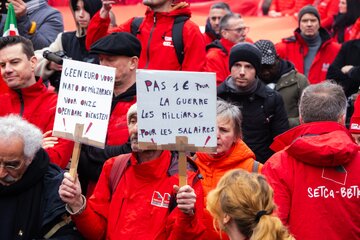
column 84, row 102
column 176, row 110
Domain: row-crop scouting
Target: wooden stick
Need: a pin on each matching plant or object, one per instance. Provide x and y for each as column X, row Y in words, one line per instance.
column 182, row 169
column 75, row 159
column 79, row 129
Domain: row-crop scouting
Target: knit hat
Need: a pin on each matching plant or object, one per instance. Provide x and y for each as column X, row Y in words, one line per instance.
column 246, row 52
column 117, row 44
column 132, row 110
column 308, row 9
column 268, row 51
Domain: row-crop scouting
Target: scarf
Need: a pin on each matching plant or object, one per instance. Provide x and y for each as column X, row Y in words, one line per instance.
column 24, row 200
column 251, row 88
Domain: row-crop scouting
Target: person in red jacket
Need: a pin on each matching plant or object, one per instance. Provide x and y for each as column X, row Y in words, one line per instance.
column 233, row 30
column 146, row 202
column 327, row 10
column 315, row 171
column 28, row 97
column 311, row 49
column 212, row 27
column 120, row 50
column 155, row 35
column 279, row 8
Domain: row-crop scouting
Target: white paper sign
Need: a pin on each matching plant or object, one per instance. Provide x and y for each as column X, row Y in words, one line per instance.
column 174, row 104
column 85, row 95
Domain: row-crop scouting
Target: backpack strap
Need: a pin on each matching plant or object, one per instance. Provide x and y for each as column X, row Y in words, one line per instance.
column 117, row 170
column 135, row 25
column 255, row 168
column 177, row 37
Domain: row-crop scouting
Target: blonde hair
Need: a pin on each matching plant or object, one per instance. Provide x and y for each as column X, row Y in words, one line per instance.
column 248, row 199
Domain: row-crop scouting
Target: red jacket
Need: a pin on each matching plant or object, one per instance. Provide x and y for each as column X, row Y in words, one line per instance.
column 294, row 49
column 212, row 169
column 37, row 104
column 155, row 35
column 288, row 7
column 139, row 207
column 316, row 181
column 217, row 60
column 355, row 30
column 327, row 10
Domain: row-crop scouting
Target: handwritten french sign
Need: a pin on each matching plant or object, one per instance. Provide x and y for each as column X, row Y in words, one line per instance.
column 84, row 99
column 173, row 104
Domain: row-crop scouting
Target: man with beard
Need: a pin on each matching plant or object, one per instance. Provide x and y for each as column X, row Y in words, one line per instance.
column 29, row 203
column 264, row 115
column 281, row 75
column 156, row 35
column 145, row 203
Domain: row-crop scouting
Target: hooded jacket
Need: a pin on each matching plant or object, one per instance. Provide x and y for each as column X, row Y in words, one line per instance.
column 294, row 49
column 290, row 84
column 316, row 182
column 212, row 169
column 264, row 116
column 37, row 104
column 140, row 205
column 155, row 35
column 210, row 35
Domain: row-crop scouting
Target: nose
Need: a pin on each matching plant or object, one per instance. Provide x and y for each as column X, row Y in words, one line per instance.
column 242, row 70
column 7, row 68
column 3, row 172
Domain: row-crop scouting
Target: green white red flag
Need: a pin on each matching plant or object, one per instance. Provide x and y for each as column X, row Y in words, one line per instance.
column 10, row 27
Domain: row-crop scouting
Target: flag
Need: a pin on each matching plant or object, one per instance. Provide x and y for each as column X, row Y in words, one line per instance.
column 10, row 27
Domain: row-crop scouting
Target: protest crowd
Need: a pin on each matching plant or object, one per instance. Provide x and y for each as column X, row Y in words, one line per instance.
column 284, row 129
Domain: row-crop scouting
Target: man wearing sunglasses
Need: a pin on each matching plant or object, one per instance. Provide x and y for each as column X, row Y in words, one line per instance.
column 29, row 204
column 233, row 31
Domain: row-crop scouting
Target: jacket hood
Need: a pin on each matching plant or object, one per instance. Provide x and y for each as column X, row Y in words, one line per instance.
column 180, row 8
column 210, row 31
column 324, row 144
column 285, row 67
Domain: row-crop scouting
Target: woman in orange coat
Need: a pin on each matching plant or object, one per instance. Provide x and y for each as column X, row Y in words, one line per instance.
column 232, row 153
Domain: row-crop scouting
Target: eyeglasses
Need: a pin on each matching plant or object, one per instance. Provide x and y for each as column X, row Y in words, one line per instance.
column 13, row 165
column 239, row 30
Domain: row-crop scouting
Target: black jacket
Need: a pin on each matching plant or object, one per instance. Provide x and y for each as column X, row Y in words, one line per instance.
column 264, row 116
column 348, row 55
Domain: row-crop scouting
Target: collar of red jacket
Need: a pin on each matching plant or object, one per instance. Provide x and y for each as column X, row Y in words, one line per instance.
column 318, row 143
column 32, row 90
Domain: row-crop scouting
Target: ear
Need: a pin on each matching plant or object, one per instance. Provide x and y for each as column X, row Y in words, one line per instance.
column 133, row 63
column 342, row 119
column 33, row 63
column 226, row 219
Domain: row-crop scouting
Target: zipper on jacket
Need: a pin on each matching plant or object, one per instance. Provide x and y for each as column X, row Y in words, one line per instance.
column 148, row 44
column 21, row 103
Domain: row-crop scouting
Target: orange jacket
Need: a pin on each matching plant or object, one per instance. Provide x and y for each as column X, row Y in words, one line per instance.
column 213, row 168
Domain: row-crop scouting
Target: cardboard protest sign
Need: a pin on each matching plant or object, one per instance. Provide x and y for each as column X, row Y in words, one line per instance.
column 176, row 110
column 84, row 102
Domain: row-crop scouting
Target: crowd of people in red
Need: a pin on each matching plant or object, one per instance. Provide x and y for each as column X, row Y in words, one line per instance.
column 287, row 115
